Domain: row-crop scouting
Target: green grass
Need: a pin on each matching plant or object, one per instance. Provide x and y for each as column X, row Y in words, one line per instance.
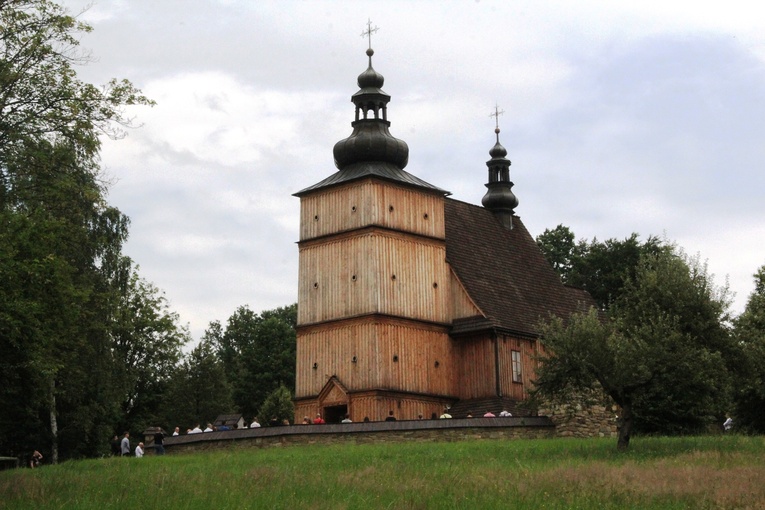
column 693, row 472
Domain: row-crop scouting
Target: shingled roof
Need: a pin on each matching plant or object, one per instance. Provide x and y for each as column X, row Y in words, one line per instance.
column 504, row 272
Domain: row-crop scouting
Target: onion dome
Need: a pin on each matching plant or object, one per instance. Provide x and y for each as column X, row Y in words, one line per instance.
column 371, row 141
column 371, row 151
column 499, row 198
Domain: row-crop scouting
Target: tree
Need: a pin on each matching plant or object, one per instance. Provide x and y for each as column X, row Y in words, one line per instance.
column 749, row 332
column 60, row 237
column 600, row 268
column 659, row 353
column 200, row 391
column 258, row 352
column 147, row 346
column 40, row 95
column 559, row 249
column 278, row 406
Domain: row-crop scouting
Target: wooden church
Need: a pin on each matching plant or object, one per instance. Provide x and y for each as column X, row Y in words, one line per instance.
column 410, row 301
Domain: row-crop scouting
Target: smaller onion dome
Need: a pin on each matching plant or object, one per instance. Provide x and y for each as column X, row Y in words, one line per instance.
column 370, row 79
column 499, row 198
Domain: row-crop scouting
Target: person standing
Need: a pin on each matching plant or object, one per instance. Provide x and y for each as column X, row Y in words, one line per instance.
column 125, row 445
column 139, row 450
column 115, row 446
column 159, row 437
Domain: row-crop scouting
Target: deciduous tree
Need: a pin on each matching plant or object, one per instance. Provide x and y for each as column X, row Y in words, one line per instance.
column 749, row 332
column 659, row 353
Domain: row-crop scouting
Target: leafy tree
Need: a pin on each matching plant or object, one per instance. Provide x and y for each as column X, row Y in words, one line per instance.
column 278, row 405
column 60, row 238
column 659, row 354
column 600, row 268
column 559, row 249
column 147, row 346
column 200, row 391
column 40, row 95
column 258, row 352
column 749, row 332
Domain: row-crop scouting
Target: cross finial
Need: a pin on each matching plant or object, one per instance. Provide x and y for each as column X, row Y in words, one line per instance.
column 369, row 31
column 496, row 114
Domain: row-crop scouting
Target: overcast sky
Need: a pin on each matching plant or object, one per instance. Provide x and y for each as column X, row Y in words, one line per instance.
column 646, row 119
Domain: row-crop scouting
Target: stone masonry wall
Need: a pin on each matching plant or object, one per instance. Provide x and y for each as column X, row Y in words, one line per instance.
column 579, row 419
column 366, row 433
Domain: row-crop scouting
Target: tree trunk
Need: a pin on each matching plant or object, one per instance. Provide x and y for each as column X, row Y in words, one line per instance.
column 53, row 422
column 625, row 428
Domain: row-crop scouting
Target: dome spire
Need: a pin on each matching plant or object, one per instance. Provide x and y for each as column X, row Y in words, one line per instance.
column 370, row 141
column 499, row 198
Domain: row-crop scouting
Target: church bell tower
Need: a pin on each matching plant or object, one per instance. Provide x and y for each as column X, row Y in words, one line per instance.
column 373, row 291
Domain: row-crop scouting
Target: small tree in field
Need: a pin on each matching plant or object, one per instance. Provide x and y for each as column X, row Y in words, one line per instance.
column 660, row 353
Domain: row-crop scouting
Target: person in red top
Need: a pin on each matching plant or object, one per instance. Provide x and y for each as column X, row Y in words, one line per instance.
column 318, row 420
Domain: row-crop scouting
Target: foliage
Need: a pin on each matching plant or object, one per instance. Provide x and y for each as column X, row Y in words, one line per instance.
column 147, row 341
column 278, row 407
column 749, row 332
column 68, row 296
column 40, row 95
column 601, row 268
column 200, row 390
column 658, row 473
column 660, row 354
column 258, row 352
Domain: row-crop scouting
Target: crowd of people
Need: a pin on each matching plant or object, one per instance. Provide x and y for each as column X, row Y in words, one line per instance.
column 121, row 447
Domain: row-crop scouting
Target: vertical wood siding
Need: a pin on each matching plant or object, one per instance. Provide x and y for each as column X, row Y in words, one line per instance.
column 376, row 408
column 477, row 373
column 528, row 352
column 462, row 305
column 371, row 202
column 375, row 344
column 374, row 272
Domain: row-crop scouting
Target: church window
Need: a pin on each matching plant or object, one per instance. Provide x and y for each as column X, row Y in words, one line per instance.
column 516, row 358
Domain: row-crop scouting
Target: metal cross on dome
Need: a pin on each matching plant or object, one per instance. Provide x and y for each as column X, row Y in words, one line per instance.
column 496, row 114
column 369, row 31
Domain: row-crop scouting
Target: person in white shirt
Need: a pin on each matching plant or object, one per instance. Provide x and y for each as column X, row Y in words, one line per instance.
column 139, row 450
column 209, row 428
column 505, row 414
column 196, row 430
column 254, row 423
column 176, row 431
column 446, row 415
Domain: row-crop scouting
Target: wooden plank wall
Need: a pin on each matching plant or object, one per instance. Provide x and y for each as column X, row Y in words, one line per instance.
column 376, row 407
column 477, row 373
column 374, row 272
column 374, row 343
column 462, row 305
column 371, row 202
column 527, row 348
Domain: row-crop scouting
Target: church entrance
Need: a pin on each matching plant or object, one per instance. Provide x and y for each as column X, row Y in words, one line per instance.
column 335, row 414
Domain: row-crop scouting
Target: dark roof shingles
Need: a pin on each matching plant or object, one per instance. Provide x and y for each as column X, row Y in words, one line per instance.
column 504, row 271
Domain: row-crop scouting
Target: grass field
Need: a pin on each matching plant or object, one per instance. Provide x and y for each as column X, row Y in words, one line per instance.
column 693, row 472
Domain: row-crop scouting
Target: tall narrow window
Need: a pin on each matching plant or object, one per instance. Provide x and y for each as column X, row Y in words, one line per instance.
column 517, row 366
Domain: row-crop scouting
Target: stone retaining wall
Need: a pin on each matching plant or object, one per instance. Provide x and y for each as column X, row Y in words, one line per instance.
column 365, row 433
column 578, row 420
